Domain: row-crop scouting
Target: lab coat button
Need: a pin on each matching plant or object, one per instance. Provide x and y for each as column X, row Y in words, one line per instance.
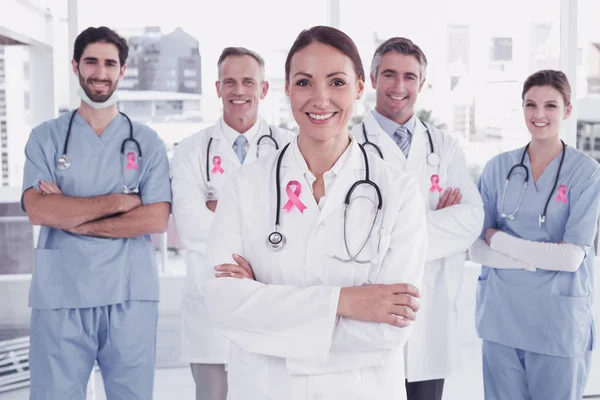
column 321, row 226
column 318, row 396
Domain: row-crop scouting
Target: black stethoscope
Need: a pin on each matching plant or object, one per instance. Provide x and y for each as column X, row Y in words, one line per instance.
column 432, row 158
column 277, row 240
column 211, row 192
column 63, row 161
column 542, row 216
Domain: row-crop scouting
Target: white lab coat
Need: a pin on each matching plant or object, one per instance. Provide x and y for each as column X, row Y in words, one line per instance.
column 287, row 342
column 433, row 352
column 201, row 341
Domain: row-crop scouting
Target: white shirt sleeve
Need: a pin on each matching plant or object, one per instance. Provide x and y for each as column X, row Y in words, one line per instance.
column 549, row 256
column 481, row 253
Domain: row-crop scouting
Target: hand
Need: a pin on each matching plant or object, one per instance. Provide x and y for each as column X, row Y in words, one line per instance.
column 389, row 304
column 129, row 202
column 489, row 232
column 49, row 188
column 80, row 230
column 240, row 270
column 449, row 198
column 212, row 205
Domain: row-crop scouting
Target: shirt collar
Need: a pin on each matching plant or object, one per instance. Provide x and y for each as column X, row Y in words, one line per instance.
column 335, row 169
column 390, row 126
column 231, row 134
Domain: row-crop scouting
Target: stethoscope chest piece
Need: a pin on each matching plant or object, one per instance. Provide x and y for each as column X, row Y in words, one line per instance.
column 276, row 241
column 63, row 162
column 433, row 159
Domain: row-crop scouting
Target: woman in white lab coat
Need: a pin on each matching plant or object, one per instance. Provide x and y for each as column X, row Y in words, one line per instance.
column 317, row 301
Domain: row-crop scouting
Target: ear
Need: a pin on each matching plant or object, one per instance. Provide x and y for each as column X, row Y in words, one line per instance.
column 361, row 89
column 373, row 81
column 264, row 88
column 218, row 86
column 422, row 84
column 122, row 73
column 287, row 87
column 568, row 110
column 74, row 64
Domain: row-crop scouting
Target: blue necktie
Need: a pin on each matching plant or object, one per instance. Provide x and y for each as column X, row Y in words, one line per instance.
column 402, row 139
column 239, row 146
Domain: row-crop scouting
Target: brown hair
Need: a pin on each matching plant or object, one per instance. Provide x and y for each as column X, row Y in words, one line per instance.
column 548, row 77
column 401, row 46
column 330, row 37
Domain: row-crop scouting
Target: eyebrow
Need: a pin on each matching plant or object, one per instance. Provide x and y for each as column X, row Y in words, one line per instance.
column 395, row 72
column 328, row 75
column 96, row 59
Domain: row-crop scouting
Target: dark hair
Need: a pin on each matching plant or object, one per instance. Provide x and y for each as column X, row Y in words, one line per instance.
column 238, row 52
column 548, row 77
column 100, row 34
column 401, row 46
column 330, row 37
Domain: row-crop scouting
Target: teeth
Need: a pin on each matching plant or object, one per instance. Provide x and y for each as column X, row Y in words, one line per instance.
column 539, row 124
column 397, row 98
column 238, row 101
column 321, row 117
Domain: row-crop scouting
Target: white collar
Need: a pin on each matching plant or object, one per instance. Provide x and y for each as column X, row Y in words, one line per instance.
column 231, row 134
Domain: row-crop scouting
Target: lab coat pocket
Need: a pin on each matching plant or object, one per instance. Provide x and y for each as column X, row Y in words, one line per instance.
column 47, row 278
column 569, row 325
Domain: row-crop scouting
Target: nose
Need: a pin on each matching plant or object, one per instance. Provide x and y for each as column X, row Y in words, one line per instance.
column 238, row 89
column 321, row 97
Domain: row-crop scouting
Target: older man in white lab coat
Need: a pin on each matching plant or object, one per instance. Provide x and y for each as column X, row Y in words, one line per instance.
column 201, row 164
column 455, row 212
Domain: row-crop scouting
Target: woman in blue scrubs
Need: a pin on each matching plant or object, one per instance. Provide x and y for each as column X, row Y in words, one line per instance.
column 535, row 292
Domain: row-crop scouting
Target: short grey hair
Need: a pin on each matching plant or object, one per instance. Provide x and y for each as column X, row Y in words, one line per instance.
column 239, row 52
column 401, row 46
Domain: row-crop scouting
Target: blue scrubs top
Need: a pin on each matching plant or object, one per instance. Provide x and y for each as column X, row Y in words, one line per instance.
column 546, row 312
column 76, row 271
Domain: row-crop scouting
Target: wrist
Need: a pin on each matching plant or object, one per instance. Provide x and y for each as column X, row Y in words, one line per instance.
column 344, row 306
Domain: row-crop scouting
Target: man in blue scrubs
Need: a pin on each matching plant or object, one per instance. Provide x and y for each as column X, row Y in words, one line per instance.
column 98, row 195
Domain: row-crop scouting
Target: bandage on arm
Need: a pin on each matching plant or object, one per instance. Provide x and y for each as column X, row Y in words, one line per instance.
column 549, row 256
column 481, row 253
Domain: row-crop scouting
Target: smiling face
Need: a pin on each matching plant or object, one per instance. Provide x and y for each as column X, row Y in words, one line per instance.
column 322, row 87
column 544, row 110
column 398, row 83
column 241, row 86
column 99, row 70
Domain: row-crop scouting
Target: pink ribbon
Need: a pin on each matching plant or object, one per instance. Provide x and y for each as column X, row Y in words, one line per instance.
column 293, row 199
column 435, row 180
column 562, row 192
column 131, row 161
column 217, row 165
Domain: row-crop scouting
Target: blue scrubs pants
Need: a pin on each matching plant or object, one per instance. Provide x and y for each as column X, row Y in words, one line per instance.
column 65, row 343
column 515, row 374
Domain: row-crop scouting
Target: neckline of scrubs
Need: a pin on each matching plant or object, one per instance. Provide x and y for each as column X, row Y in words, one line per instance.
column 111, row 129
column 552, row 166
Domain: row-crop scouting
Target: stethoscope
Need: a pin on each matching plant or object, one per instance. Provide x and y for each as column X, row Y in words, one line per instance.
column 211, row 192
column 432, row 158
column 276, row 240
column 542, row 216
column 63, row 161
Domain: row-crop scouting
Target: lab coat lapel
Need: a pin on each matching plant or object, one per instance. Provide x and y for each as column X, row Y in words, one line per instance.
column 417, row 159
column 348, row 175
column 389, row 148
column 223, row 149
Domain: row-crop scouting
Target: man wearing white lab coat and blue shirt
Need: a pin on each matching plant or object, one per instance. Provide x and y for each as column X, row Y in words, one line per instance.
column 201, row 164
column 454, row 207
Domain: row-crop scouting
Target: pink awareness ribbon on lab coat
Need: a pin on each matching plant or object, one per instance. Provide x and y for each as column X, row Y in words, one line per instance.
column 562, row 192
column 131, row 161
column 217, row 165
column 435, row 180
column 293, row 199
